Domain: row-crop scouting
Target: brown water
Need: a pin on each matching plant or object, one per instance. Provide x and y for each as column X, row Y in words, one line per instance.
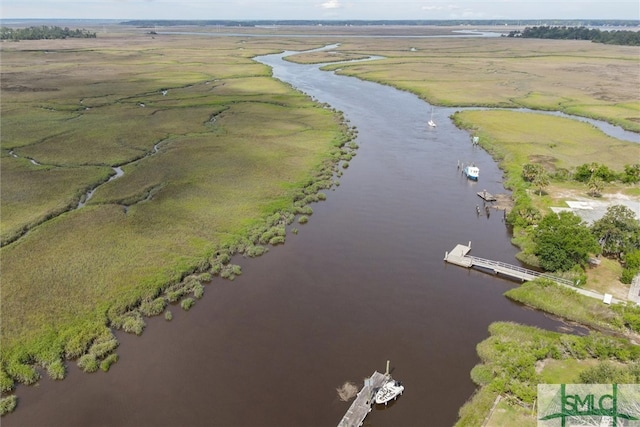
column 364, row 281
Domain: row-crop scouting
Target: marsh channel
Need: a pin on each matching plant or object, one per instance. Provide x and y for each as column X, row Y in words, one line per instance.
column 362, row 283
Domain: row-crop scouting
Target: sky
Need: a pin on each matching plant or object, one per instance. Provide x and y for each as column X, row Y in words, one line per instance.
column 320, row 9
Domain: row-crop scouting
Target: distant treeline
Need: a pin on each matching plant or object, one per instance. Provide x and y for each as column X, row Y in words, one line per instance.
column 445, row 22
column 619, row 37
column 43, row 32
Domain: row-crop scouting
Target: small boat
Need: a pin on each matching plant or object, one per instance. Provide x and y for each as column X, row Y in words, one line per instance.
column 431, row 122
column 472, row 172
column 389, row 391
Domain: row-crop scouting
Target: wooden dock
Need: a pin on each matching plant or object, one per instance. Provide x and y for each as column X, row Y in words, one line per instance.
column 486, row 196
column 458, row 256
column 361, row 406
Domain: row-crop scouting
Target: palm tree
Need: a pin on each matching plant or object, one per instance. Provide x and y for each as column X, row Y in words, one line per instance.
column 595, row 186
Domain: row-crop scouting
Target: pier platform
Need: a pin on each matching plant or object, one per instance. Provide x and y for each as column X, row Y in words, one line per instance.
column 361, row 406
column 459, row 256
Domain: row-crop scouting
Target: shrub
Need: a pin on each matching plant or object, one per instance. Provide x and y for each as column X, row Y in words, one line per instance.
column 602, row 373
column 256, row 250
column 103, row 346
column 187, row 303
column 168, row 315
column 23, row 373
column 198, row 290
column 6, row 382
column 56, row 370
column 632, row 259
column 174, row 296
column 277, row 240
column 88, row 363
column 585, row 172
column 105, row 365
column 630, row 315
column 631, row 174
column 230, row 271
column 78, row 343
column 8, row 404
column 303, row 219
column 304, row 210
column 131, row 322
column 627, row 275
column 482, row 374
column 154, row 307
column 204, row 277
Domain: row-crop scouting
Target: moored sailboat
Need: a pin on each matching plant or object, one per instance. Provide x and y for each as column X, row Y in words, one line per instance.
column 431, row 122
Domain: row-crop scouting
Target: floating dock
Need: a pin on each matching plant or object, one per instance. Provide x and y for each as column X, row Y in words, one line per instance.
column 486, row 196
column 361, row 406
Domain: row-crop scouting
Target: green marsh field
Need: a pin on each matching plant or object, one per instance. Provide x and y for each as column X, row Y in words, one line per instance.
column 211, row 148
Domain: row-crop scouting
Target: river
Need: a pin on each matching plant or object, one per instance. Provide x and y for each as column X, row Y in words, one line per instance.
column 362, row 283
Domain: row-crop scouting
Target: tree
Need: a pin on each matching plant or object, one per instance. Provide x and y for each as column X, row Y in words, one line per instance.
column 631, row 174
column 530, row 171
column 563, row 241
column 541, row 181
column 618, row 231
column 595, row 186
column 536, row 174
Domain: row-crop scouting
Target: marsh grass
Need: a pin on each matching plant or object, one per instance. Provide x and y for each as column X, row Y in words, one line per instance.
column 105, row 364
column 8, row 404
column 88, row 363
column 555, row 299
column 519, row 138
column 187, row 303
column 234, row 147
column 576, row 77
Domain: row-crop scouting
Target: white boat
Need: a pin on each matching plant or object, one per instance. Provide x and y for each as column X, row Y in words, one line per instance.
column 389, row 391
column 472, row 172
column 431, row 122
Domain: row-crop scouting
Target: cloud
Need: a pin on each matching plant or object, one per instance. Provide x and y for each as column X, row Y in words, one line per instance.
column 331, row 4
column 438, row 8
